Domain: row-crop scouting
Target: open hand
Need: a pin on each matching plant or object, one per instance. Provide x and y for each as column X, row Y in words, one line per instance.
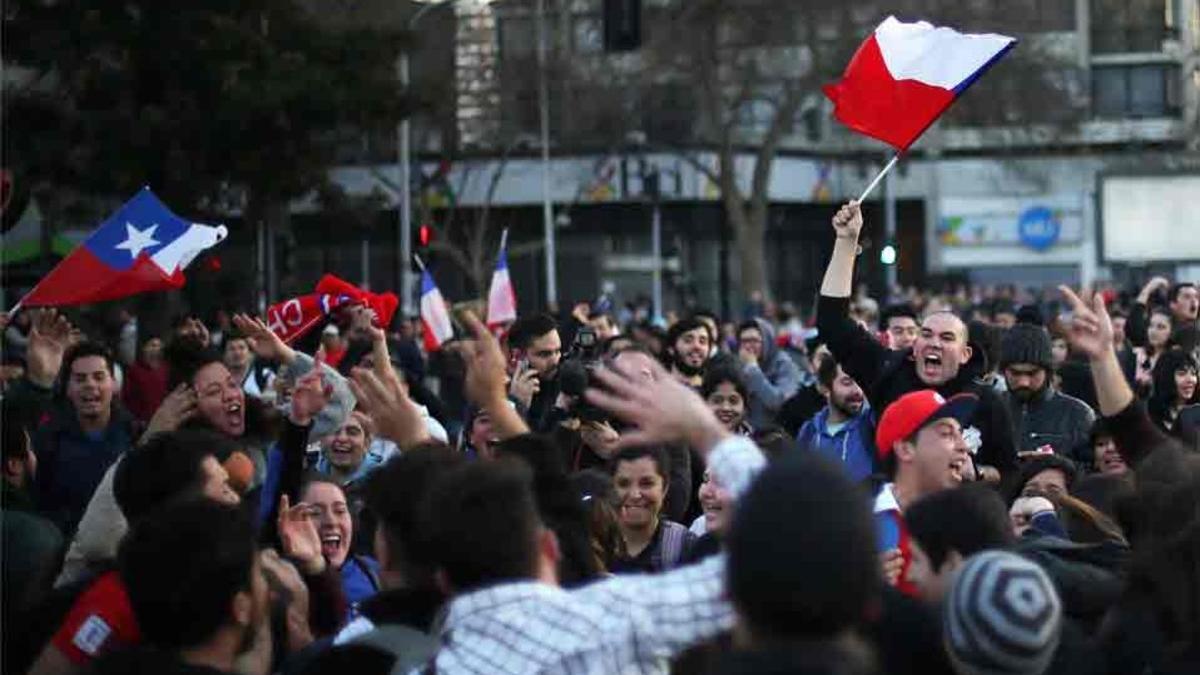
column 49, row 339
column 298, row 536
column 848, row 221
column 178, row 407
column 662, row 409
column 266, row 344
column 892, row 563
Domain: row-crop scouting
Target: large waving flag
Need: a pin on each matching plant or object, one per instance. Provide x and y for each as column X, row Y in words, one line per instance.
column 502, row 298
column 142, row 247
column 434, row 316
column 906, row 74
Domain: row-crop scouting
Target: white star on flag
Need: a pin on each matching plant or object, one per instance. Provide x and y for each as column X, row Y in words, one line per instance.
column 138, row 240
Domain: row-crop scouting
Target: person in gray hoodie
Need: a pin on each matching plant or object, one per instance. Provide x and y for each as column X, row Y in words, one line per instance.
column 770, row 375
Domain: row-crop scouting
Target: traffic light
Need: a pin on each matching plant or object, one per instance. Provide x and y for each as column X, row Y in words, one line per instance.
column 424, row 236
column 887, row 254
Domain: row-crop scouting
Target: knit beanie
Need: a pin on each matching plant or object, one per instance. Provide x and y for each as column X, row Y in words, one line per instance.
column 1026, row 343
column 1002, row 616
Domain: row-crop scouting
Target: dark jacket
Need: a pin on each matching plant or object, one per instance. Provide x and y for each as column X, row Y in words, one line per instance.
column 1052, row 418
column 886, row 376
column 71, row 463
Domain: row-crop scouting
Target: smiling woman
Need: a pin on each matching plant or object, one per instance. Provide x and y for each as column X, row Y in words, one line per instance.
column 652, row 544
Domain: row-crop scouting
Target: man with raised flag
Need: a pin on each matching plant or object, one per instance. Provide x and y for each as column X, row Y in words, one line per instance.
column 502, row 299
column 142, row 247
column 434, row 318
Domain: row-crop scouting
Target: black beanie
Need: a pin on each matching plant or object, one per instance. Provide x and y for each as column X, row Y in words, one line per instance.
column 1026, row 343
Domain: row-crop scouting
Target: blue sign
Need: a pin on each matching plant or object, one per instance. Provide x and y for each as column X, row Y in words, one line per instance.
column 1039, row 228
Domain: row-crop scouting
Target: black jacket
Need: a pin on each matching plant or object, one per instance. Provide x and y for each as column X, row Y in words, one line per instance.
column 1055, row 419
column 886, row 376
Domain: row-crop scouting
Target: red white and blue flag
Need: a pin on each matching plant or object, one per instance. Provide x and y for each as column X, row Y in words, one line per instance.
column 434, row 316
column 906, row 75
column 502, row 299
column 142, row 247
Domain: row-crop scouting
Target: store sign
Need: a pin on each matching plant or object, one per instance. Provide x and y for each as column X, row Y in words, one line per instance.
column 1038, row 224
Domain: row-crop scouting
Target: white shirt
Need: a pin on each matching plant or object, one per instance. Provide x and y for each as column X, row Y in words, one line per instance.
column 623, row 624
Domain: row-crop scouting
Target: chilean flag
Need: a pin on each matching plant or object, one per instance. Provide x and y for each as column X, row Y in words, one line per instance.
column 142, row 247
column 502, row 299
column 906, row 74
column 434, row 317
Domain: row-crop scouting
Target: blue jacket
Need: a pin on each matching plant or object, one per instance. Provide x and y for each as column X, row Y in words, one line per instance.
column 853, row 445
column 71, row 462
column 771, row 381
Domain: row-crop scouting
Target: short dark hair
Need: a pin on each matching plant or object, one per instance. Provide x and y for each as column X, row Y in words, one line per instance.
column 721, row 374
column 482, row 521
column 529, row 328
column 897, row 311
column 393, row 494
column 662, row 461
column 966, row 519
column 81, row 351
column 1176, row 289
column 185, row 356
column 823, row 552
column 164, row 468
column 182, row 567
column 1003, row 306
column 682, row 326
column 749, row 324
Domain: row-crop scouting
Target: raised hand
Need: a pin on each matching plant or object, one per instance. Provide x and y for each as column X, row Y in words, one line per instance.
column 266, row 344
column 524, row 385
column 848, row 221
column 309, row 397
column 662, row 409
column 49, row 339
column 384, row 397
column 1151, row 286
column 601, row 437
column 178, row 407
column 487, row 375
column 1091, row 330
column 298, row 536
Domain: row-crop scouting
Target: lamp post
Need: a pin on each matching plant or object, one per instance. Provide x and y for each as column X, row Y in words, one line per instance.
column 544, row 115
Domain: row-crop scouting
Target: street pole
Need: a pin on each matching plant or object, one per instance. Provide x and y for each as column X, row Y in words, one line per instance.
column 544, row 113
column 404, row 222
column 656, row 251
column 889, row 228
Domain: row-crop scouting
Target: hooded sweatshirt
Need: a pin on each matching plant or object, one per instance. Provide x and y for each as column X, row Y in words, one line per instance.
column 772, row 380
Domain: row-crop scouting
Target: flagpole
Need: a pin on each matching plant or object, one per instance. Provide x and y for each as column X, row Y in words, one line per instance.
column 420, row 264
column 883, row 172
column 504, row 239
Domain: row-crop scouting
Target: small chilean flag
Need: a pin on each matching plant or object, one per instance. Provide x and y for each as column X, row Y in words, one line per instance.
column 434, row 317
column 502, row 299
column 142, row 247
column 906, row 74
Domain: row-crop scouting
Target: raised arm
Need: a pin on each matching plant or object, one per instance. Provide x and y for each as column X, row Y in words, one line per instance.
column 486, row 376
column 385, row 398
column 1091, row 333
column 1139, row 314
column 858, row 352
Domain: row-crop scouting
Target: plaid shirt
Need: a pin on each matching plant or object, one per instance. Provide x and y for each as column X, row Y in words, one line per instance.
column 623, row 624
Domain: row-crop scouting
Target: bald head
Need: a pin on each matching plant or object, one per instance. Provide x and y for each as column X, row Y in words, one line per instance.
column 941, row 348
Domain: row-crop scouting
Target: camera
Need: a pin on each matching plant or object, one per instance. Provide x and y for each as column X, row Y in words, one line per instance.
column 577, row 372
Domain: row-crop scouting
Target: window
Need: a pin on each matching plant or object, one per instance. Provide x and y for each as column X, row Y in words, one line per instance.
column 1123, row 26
column 1150, row 90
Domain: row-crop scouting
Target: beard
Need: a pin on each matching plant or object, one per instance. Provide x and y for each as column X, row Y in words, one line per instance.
column 1024, row 394
column 682, row 366
column 849, row 408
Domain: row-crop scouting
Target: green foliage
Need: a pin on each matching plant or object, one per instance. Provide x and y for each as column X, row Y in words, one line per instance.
column 204, row 101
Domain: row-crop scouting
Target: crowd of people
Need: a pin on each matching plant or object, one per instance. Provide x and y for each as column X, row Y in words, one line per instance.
column 958, row 482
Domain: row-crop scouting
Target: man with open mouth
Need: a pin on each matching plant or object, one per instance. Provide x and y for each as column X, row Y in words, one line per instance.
column 940, row 358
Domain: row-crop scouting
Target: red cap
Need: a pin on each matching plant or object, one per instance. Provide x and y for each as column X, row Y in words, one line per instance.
column 907, row 414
